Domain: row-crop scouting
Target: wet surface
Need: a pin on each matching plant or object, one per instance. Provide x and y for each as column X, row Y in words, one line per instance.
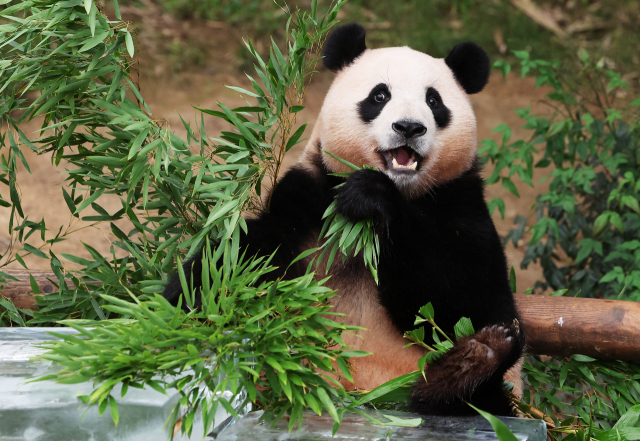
column 48, row 411
column 356, row 427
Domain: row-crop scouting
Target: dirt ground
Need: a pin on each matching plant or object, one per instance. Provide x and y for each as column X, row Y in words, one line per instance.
column 170, row 94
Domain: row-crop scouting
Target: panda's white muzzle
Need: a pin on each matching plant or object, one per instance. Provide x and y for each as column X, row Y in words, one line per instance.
column 408, row 141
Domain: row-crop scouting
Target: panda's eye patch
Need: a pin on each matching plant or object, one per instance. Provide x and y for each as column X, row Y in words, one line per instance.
column 370, row 107
column 441, row 113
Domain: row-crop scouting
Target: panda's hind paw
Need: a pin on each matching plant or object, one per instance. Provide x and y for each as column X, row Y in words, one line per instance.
column 500, row 342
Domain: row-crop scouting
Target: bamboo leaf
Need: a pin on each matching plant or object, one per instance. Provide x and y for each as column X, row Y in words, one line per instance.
column 327, row 403
column 386, row 388
column 92, row 18
column 94, row 41
column 343, row 161
column 116, row 8
column 129, row 42
column 295, row 137
column 243, row 91
column 85, row 203
column 33, row 250
column 502, row 431
column 113, row 406
column 137, row 142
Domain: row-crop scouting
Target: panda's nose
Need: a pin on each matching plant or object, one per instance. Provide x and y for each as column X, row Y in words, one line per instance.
column 409, row 129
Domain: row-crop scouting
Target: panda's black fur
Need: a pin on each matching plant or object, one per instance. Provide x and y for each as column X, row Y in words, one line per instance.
column 441, row 247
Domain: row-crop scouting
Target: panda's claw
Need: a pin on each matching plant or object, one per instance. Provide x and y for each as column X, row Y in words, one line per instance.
column 516, row 326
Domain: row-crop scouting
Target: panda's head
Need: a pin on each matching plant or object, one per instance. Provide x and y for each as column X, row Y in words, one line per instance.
column 399, row 110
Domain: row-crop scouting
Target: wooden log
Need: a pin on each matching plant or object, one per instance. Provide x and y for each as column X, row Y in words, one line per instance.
column 605, row 329
column 20, row 293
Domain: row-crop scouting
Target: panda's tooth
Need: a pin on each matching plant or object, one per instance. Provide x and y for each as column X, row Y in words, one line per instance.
column 394, row 164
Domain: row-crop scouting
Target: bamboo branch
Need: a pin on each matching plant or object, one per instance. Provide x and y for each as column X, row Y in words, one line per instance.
column 540, row 16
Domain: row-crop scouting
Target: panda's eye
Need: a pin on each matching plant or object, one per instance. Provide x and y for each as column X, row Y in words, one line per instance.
column 380, row 97
column 431, row 101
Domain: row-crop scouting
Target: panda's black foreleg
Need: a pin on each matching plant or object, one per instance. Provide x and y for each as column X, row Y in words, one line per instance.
column 192, row 268
column 471, row 372
column 370, row 194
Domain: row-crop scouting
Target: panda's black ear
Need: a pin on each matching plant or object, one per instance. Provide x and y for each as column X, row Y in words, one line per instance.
column 344, row 45
column 470, row 65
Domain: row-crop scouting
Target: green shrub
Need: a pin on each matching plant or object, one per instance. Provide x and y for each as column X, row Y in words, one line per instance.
column 585, row 234
column 582, row 398
column 260, row 18
column 173, row 192
column 588, row 223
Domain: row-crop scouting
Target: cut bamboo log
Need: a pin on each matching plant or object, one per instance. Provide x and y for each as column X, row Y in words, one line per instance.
column 604, row 329
column 21, row 293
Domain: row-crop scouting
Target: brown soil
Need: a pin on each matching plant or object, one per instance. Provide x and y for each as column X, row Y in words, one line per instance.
column 170, row 94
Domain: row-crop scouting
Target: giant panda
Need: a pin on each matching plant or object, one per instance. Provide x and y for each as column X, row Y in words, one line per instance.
column 408, row 115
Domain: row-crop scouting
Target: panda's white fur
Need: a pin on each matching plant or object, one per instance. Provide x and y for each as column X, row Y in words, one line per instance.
column 408, row 73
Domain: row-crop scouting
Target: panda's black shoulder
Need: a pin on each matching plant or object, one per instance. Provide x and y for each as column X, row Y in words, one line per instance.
column 306, row 189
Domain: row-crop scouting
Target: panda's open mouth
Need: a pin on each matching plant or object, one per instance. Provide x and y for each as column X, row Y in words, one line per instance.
column 402, row 158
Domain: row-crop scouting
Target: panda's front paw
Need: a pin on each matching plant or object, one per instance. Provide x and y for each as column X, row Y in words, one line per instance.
column 370, row 194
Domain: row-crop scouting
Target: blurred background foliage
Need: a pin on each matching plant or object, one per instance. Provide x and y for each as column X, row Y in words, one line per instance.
column 546, row 28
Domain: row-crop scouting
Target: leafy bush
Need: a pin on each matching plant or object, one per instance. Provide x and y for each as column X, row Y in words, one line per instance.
column 260, row 18
column 581, row 398
column 588, row 222
column 266, row 342
column 585, row 235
